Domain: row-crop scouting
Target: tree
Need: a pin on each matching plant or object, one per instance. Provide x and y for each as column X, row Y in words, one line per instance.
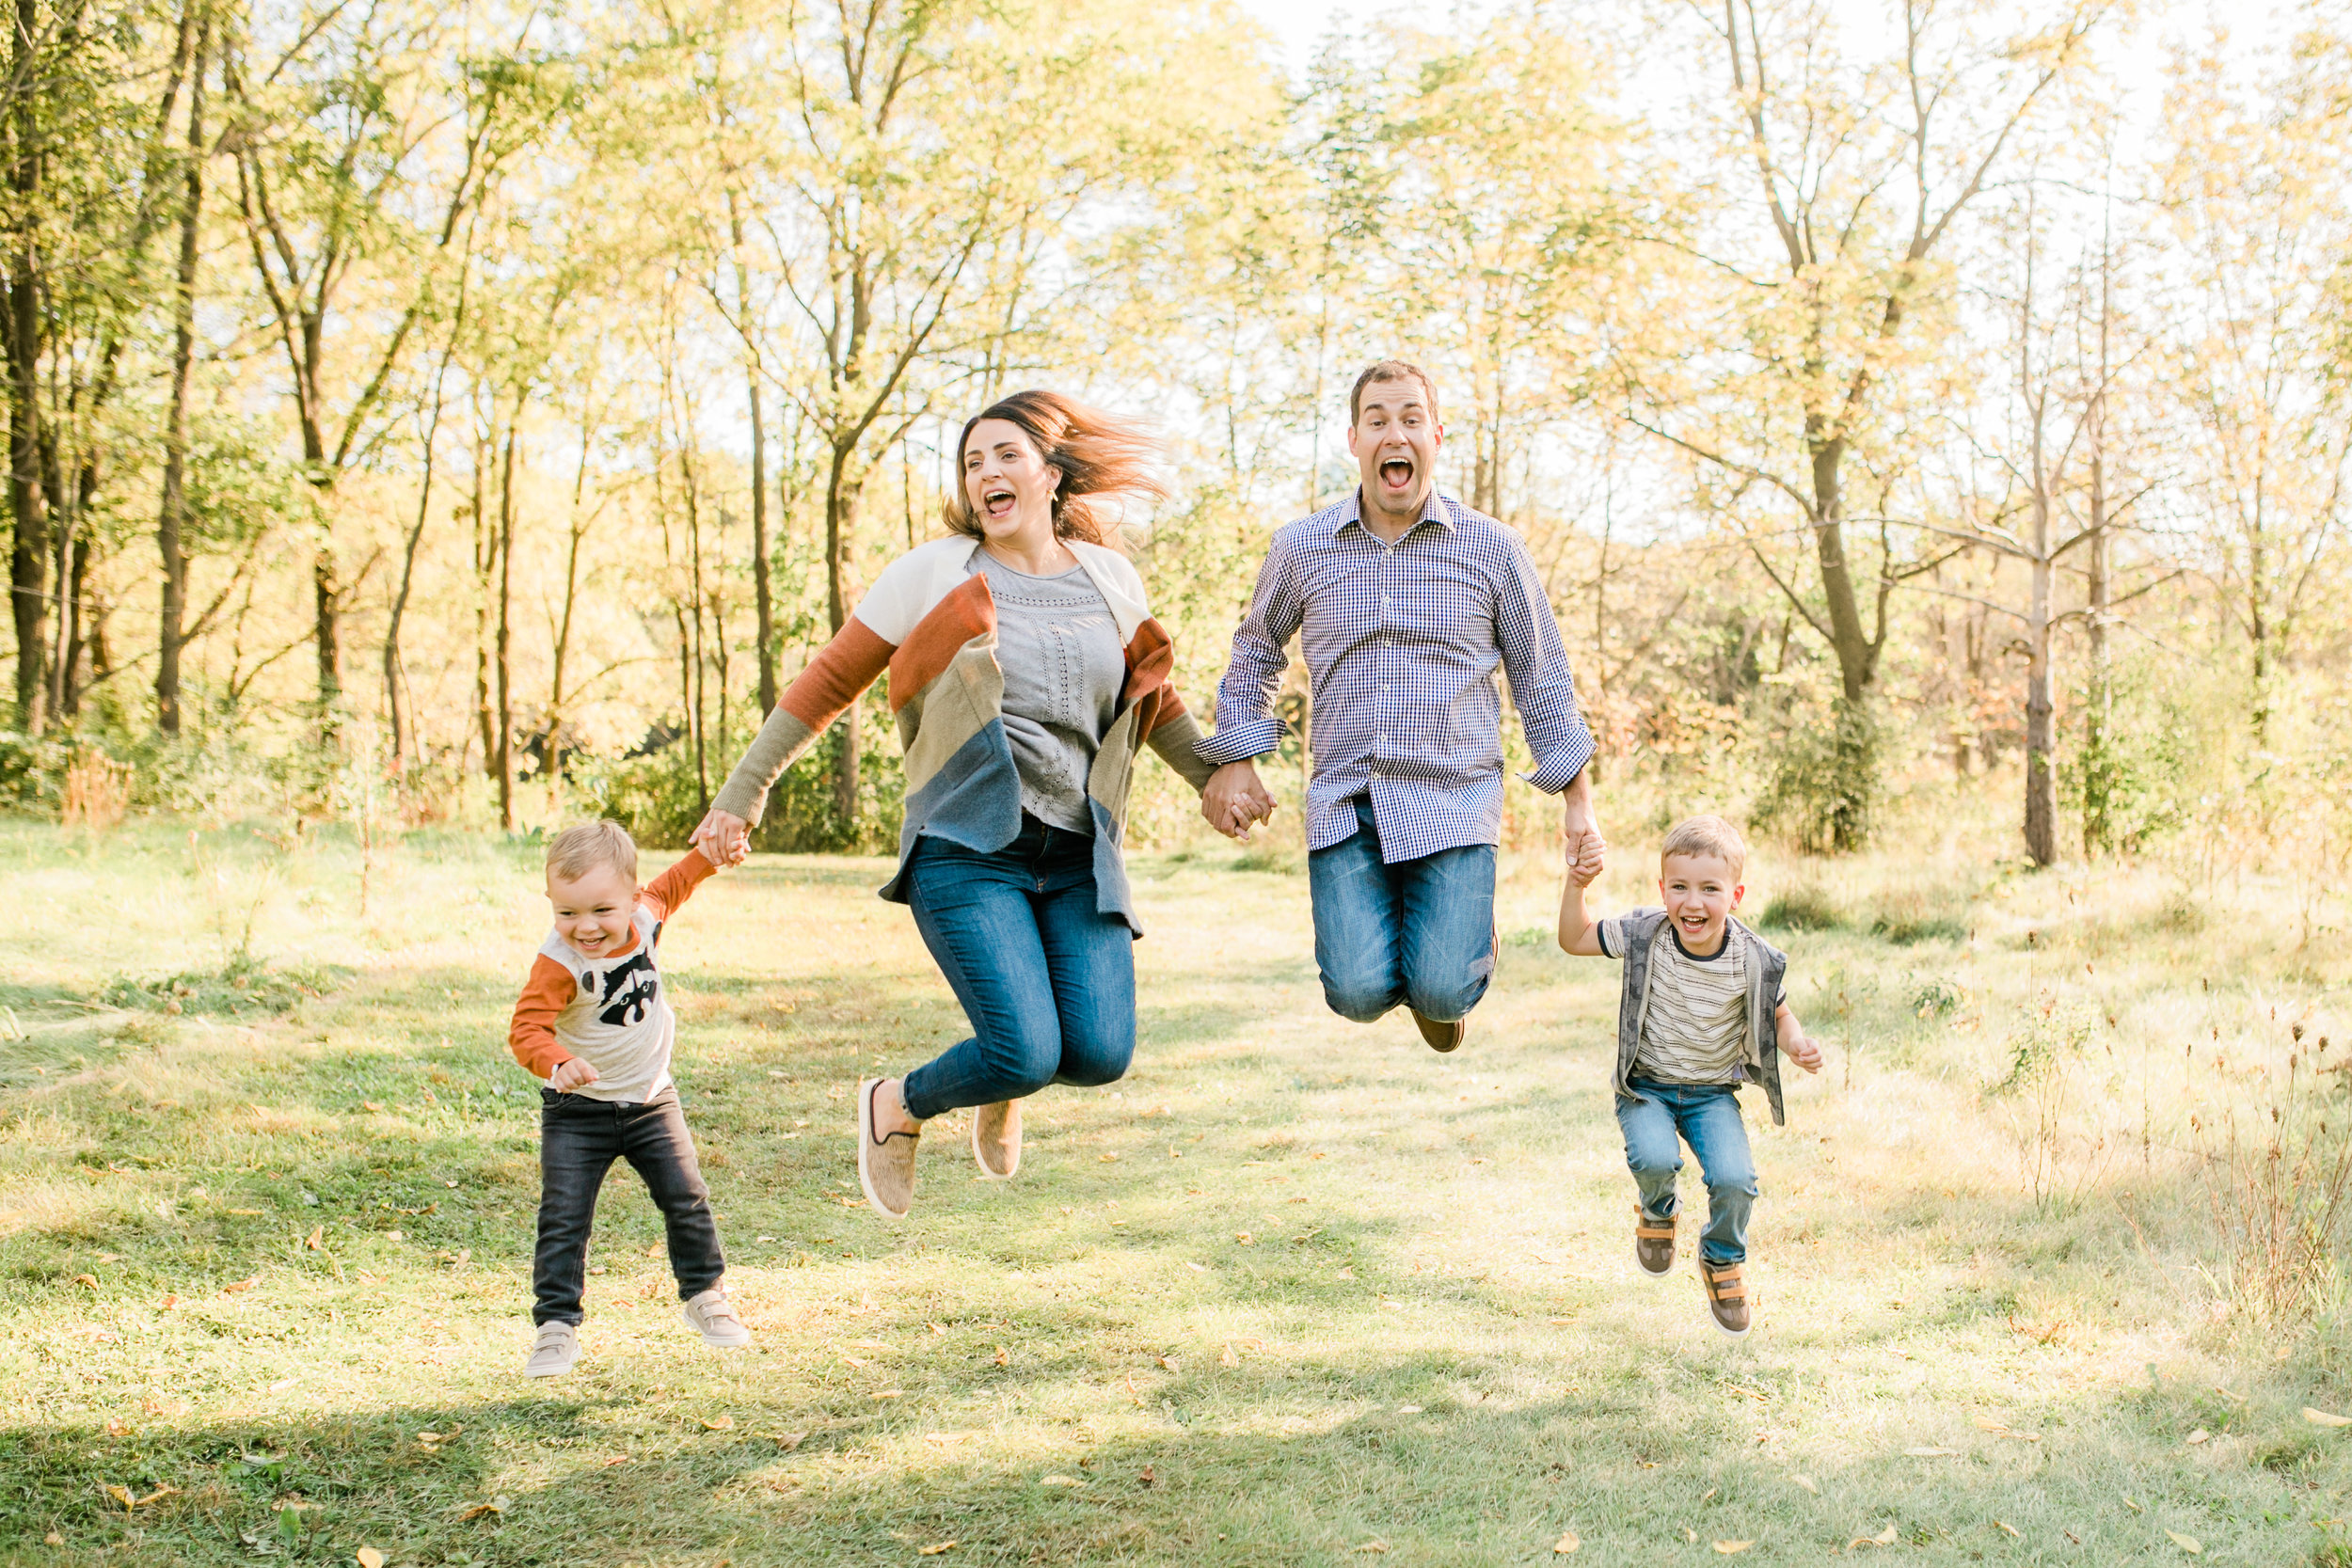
column 1862, row 187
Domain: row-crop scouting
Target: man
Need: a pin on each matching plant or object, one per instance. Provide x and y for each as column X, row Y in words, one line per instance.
column 1407, row 600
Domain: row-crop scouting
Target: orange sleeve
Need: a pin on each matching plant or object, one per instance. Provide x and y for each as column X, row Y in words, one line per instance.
column 531, row 1036
column 677, row 884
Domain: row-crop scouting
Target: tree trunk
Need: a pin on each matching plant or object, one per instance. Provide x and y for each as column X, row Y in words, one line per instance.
column 2041, row 726
column 698, row 663
column 561, row 652
column 763, row 592
column 484, row 569
column 168, row 543
column 505, row 629
column 28, row 562
column 840, row 509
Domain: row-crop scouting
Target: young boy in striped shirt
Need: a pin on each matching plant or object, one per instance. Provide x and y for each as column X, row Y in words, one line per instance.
column 1703, row 1010
column 594, row 1027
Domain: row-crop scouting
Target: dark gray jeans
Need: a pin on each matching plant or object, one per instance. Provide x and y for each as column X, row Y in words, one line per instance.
column 579, row 1140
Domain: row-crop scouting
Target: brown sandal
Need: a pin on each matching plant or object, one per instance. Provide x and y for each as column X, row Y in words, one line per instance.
column 1727, row 1297
column 1654, row 1245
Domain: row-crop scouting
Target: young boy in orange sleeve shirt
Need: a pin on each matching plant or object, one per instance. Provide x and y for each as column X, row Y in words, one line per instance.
column 594, row 1027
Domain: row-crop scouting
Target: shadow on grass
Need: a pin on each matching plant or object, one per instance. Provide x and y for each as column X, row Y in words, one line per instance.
column 1257, row 1463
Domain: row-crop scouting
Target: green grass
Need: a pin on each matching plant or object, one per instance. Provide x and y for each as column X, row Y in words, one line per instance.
column 1297, row 1292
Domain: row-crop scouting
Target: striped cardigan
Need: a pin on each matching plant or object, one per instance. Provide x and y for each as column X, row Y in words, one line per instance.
column 930, row 622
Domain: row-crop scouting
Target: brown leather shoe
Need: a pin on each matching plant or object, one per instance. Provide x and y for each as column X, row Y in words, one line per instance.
column 1443, row 1038
column 997, row 1138
column 1654, row 1245
column 1727, row 1297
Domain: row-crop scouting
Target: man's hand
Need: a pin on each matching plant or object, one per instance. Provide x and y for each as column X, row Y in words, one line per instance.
column 724, row 838
column 1237, row 799
column 571, row 1075
column 1579, row 829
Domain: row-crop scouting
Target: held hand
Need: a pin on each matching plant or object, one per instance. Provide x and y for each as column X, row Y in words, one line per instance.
column 1586, row 861
column 571, row 1075
column 1235, row 798
column 1802, row 1052
column 724, row 838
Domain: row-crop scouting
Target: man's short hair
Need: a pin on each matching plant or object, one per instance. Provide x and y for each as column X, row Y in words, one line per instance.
column 587, row 847
column 1706, row 835
column 1390, row 370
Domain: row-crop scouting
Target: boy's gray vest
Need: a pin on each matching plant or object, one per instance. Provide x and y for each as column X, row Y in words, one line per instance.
column 1767, row 964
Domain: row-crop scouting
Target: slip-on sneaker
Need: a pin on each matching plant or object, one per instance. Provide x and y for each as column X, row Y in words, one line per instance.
column 885, row 1169
column 997, row 1138
column 1443, row 1038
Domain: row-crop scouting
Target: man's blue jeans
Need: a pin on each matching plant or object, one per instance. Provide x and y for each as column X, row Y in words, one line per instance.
column 1706, row 1116
column 1047, row 980
column 1421, row 932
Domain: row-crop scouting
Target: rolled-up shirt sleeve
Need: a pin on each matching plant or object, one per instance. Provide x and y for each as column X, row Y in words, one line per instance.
column 1536, row 662
column 1246, row 724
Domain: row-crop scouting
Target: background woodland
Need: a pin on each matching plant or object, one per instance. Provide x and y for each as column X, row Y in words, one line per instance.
column 474, row 413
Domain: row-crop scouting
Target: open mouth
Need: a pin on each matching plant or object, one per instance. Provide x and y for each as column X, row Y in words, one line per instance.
column 997, row 504
column 1396, row 473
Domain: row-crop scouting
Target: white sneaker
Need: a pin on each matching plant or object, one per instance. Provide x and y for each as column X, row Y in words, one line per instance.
column 555, row 1351
column 713, row 1316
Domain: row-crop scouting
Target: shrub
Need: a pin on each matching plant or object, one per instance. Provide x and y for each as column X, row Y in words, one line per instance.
column 1824, row 788
column 1803, row 907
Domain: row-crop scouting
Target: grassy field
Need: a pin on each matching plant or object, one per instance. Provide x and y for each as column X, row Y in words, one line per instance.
column 1297, row 1292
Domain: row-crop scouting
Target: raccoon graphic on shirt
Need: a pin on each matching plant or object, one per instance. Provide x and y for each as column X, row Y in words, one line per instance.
column 608, row 1011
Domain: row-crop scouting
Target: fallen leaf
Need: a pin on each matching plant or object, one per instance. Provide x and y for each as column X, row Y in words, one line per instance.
column 892, row 1394
column 1170, row 1363
column 316, row 1240
column 1061, row 1480
column 2072, row 1536
column 1229, row 1358
column 1344, row 1273
column 2132, row 1506
column 496, row 1505
column 2187, row 1542
column 787, row 1441
column 1727, row 1547
column 2011, row 1528
column 1146, row 1478
column 87, row 1281
column 241, row 1285
column 2322, row 1419
column 370, row 1558
column 1560, row 1322
column 1806, row 1482
column 118, row 1427
column 167, row 1303
column 1375, row 1544
column 935, row 1549
column 1565, row 1544
column 1003, row 1356
column 53, row 1538
column 853, row 1361
column 1106, row 1159
column 1241, row 1236
column 717, row 1423
column 2199, row 1436
column 1691, row 1535
column 1408, row 1410
column 121, row 1494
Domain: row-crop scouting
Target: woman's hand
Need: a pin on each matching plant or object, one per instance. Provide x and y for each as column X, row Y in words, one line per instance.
column 724, row 838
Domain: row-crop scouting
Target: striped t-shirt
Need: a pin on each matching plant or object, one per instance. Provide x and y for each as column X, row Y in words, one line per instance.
column 1695, row 1028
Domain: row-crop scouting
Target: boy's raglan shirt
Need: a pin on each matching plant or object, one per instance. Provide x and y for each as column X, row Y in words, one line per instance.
column 1695, row 1029
column 608, row 1011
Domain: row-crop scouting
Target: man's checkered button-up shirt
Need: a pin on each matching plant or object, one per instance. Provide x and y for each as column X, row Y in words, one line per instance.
column 1402, row 641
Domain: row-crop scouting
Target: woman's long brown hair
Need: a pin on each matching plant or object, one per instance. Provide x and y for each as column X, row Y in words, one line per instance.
column 1097, row 454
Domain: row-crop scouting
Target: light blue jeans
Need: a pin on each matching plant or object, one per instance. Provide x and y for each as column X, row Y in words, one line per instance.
column 1048, row 980
column 1421, row 932
column 1657, row 1123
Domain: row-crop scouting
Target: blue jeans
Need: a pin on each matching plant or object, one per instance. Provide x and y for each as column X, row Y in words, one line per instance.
column 1048, row 980
column 1706, row 1115
column 1421, row 932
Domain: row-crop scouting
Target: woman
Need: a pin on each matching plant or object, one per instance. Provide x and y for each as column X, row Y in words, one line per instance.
column 1027, row 674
